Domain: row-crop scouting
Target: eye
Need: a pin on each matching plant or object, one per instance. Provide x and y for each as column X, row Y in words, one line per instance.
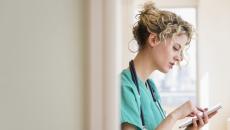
column 175, row 48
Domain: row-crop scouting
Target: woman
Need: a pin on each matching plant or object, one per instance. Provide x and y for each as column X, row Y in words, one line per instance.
column 161, row 37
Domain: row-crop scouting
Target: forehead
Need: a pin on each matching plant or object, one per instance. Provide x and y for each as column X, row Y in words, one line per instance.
column 180, row 39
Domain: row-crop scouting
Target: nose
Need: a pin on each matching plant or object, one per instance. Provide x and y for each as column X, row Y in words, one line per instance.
column 178, row 57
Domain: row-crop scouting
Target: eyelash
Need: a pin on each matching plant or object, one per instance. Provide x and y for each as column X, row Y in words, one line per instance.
column 174, row 48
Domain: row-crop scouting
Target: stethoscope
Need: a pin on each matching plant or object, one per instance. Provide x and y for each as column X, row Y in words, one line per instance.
column 135, row 80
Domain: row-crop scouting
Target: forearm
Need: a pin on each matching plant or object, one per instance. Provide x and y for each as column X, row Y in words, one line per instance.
column 167, row 123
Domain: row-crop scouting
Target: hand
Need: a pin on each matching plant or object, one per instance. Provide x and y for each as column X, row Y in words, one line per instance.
column 186, row 109
column 197, row 124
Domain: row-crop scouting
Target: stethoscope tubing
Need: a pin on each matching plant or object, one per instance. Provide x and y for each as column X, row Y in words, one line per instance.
column 135, row 80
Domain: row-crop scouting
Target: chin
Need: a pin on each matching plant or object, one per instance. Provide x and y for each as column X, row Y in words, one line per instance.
column 164, row 70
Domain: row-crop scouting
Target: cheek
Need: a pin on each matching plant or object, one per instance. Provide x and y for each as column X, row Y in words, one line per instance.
column 164, row 58
column 167, row 54
column 167, row 58
column 164, row 55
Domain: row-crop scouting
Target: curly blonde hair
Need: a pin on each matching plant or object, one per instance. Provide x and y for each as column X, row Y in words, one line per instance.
column 164, row 24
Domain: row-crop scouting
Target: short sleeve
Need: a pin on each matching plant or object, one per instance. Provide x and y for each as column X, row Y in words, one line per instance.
column 130, row 107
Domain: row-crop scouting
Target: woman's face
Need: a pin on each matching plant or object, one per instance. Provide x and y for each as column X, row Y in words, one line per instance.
column 166, row 55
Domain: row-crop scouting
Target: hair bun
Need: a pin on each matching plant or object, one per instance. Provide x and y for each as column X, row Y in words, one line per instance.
column 149, row 8
column 163, row 23
column 150, row 5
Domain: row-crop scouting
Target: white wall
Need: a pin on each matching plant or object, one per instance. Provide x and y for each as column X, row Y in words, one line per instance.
column 41, row 64
column 127, row 36
column 104, row 64
column 213, row 51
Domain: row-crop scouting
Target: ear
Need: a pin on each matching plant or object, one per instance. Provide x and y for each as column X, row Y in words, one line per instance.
column 152, row 40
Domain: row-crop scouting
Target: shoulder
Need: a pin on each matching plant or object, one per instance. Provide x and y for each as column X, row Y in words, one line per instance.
column 126, row 83
column 126, row 78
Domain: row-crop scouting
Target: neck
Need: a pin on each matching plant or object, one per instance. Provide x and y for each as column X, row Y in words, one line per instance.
column 143, row 65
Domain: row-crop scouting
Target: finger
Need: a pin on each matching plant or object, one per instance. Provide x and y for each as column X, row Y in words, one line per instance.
column 200, row 109
column 201, row 122
column 191, row 115
column 194, row 123
column 205, row 116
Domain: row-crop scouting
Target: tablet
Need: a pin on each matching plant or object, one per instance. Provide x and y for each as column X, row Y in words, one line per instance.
column 189, row 121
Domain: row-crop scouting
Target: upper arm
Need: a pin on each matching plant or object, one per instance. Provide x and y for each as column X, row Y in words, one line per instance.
column 127, row 126
column 130, row 108
column 130, row 104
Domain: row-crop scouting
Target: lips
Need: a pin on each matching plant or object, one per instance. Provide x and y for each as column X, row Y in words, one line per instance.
column 171, row 64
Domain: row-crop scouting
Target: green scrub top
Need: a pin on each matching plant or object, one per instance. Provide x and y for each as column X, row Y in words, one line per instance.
column 131, row 102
